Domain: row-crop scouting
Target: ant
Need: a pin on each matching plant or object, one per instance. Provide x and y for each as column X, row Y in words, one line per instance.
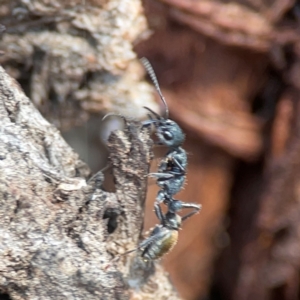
column 172, row 169
column 170, row 177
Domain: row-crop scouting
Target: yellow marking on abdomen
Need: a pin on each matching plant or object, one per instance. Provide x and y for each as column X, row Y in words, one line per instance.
column 168, row 243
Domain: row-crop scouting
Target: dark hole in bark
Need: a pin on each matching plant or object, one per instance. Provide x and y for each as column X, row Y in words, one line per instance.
column 111, row 215
column 4, row 297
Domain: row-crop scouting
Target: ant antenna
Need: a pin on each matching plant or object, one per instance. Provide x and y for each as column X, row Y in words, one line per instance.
column 152, row 75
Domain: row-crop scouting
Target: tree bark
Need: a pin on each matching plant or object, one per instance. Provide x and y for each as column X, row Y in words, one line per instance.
column 59, row 230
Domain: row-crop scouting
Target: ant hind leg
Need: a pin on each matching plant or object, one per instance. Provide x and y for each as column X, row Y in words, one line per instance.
column 196, row 207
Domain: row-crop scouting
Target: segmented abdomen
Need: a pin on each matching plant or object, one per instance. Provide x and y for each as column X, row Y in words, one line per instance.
column 161, row 246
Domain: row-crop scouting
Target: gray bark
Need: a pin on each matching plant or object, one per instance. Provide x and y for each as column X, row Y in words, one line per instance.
column 58, row 229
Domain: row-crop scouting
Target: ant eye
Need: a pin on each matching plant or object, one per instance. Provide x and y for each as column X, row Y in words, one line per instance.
column 168, row 136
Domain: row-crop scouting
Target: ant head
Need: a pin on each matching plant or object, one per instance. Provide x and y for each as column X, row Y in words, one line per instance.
column 169, row 133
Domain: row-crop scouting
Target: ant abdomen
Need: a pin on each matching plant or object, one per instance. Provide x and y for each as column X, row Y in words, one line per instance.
column 165, row 241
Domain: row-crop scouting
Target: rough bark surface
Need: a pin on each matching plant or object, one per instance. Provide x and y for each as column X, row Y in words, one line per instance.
column 59, row 230
column 74, row 58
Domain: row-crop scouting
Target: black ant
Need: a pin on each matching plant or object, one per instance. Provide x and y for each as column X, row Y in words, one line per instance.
column 170, row 177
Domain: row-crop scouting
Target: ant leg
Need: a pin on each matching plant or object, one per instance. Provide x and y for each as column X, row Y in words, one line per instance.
column 190, row 205
column 162, row 175
column 170, row 174
column 177, row 205
column 105, row 168
column 151, row 238
column 159, row 213
column 161, row 196
column 179, row 165
column 165, row 196
column 197, row 209
column 142, row 245
column 154, row 233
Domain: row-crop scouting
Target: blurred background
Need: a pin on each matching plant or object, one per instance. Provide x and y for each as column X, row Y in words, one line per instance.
column 230, row 72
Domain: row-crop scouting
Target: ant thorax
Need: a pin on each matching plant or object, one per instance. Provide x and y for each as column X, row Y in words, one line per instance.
column 172, row 185
column 175, row 162
column 171, row 172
